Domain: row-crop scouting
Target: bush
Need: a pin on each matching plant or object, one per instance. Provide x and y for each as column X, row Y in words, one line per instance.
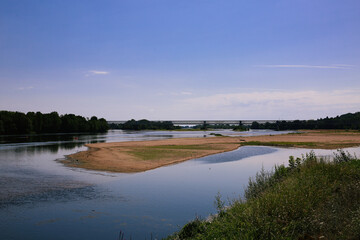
column 312, row 198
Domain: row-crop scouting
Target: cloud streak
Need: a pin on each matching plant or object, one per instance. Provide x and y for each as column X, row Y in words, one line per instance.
column 272, row 104
column 95, row 72
column 334, row 66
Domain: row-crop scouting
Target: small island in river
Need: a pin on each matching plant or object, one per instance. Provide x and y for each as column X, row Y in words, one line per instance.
column 140, row 156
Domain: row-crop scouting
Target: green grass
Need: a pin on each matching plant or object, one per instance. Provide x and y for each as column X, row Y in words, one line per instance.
column 280, row 144
column 299, row 144
column 193, row 147
column 296, row 133
column 312, row 198
column 175, row 152
column 217, row 134
column 171, row 151
column 340, row 131
column 148, row 154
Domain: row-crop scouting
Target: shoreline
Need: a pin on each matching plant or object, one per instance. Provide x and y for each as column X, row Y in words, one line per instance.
column 139, row 156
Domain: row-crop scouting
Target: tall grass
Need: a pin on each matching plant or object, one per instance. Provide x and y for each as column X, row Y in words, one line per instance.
column 312, row 198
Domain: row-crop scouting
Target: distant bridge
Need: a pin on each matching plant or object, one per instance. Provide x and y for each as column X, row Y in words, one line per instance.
column 211, row 122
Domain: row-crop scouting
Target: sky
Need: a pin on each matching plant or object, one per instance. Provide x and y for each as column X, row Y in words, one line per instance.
column 181, row 60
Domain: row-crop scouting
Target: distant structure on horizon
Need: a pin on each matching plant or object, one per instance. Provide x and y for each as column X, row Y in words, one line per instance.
column 198, row 122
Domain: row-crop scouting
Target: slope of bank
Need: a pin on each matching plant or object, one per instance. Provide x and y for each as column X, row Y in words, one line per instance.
column 140, row 156
column 313, row 198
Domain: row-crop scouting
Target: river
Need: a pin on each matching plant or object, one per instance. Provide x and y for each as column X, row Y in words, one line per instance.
column 43, row 199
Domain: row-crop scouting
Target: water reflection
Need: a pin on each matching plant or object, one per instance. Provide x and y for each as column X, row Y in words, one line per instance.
column 43, row 147
column 34, row 197
column 47, row 200
column 236, row 155
column 46, row 137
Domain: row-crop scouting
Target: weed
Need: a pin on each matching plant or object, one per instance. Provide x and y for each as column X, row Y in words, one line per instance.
column 312, row 198
column 341, row 156
column 219, row 204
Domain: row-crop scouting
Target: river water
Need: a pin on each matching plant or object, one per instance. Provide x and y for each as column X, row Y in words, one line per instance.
column 40, row 198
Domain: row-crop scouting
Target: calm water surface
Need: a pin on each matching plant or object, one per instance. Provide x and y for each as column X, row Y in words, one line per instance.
column 42, row 199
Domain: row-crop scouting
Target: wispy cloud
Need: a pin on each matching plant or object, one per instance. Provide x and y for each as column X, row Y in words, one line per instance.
column 271, row 104
column 95, row 72
column 333, row 66
column 181, row 93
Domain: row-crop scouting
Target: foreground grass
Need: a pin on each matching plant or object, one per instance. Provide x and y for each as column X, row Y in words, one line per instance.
column 313, row 198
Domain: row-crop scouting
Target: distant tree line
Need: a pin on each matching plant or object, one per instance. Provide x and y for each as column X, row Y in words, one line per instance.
column 21, row 123
column 213, row 126
column 345, row 121
column 144, row 125
column 206, row 126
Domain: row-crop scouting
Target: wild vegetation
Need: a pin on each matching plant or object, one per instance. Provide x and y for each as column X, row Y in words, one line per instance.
column 241, row 128
column 21, row 123
column 312, row 198
column 144, row 125
column 207, row 126
column 345, row 121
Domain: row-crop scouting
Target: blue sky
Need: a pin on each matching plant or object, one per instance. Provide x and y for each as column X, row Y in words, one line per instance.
column 190, row 59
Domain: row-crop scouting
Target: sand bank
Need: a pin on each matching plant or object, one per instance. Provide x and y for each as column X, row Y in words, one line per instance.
column 140, row 156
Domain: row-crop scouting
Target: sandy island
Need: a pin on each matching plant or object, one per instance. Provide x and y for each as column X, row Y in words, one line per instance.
column 140, row 156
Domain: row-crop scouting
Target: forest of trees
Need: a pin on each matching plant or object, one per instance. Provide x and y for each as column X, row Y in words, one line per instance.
column 31, row 122
column 213, row 126
column 206, row 126
column 144, row 125
column 21, row 123
column 345, row 121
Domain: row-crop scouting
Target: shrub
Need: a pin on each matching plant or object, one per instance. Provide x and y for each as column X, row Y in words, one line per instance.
column 312, row 198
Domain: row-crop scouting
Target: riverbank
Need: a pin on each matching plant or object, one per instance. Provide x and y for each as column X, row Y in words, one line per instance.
column 312, row 198
column 140, row 156
column 319, row 139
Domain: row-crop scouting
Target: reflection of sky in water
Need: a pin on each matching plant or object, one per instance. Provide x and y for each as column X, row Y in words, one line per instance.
column 70, row 141
column 236, row 155
column 50, row 201
column 252, row 132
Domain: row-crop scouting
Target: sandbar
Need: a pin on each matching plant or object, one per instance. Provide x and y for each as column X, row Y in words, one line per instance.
column 139, row 156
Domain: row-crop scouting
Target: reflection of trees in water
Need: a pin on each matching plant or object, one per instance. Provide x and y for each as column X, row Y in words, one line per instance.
column 52, row 148
column 34, row 138
column 48, row 138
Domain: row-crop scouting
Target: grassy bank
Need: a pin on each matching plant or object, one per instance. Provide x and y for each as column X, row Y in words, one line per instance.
column 318, row 145
column 281, row 144
column 138, row 156
column 150, row 153
column 312, row 198
column 319, row 139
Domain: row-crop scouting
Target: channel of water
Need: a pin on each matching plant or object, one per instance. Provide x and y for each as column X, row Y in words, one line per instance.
column 42, row 199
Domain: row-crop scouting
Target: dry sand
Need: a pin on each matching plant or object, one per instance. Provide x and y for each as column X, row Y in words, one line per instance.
column 140, row 156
